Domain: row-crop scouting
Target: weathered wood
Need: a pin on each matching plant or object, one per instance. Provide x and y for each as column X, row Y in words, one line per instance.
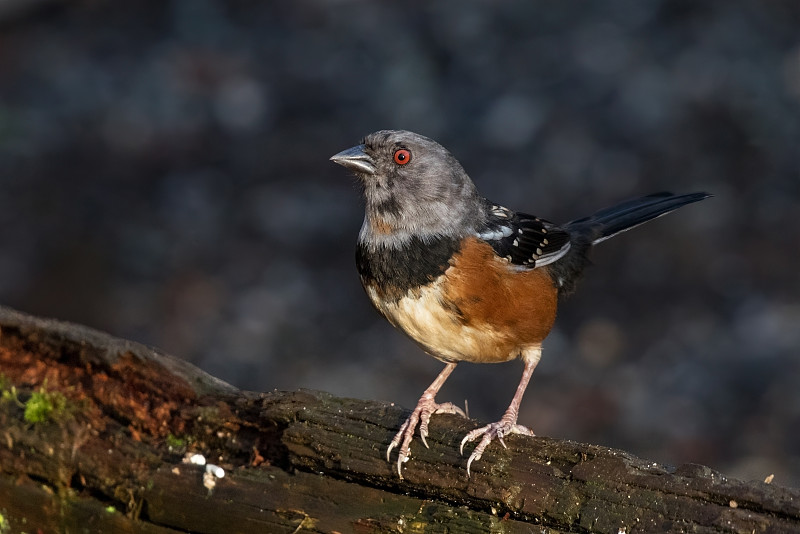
column 109, row 459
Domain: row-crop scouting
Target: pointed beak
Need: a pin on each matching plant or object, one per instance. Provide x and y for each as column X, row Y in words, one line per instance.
column 355, row 159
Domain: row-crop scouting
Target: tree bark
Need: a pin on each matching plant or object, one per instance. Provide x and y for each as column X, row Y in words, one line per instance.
column 108, row 457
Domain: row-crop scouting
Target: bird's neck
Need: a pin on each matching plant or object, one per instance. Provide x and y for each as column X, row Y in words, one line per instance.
column 379, row 233
column 385, row 227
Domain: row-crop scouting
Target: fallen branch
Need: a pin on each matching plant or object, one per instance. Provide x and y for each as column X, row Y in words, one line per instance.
column 93, row 431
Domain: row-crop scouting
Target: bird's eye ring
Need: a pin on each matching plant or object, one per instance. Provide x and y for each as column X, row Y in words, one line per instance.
column 402, row 156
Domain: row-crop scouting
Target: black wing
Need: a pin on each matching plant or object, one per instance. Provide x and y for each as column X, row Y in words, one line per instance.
column 523, row 239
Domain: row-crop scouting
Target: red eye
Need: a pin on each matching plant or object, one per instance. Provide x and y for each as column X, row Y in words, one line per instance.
column 402, row 156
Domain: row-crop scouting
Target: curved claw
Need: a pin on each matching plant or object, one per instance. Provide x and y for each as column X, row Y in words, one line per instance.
column 469, row 463
column 472, row 435
column 423, row 429
column 422, row 415
column 463, row 441
column 472, row 458
column 396, row 440
column 400, row 460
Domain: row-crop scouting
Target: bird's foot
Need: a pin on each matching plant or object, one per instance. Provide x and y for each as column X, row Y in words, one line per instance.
column 498, row 430
column 426, row 407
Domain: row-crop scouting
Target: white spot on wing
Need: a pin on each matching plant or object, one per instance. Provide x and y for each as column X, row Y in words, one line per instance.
column 495, row 234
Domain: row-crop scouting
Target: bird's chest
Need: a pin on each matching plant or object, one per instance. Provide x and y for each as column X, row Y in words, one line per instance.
column 394, row 271
column 473, row 307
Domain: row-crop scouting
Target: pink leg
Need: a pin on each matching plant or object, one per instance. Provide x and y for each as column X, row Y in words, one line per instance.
column 426, row 407
column 508, row 423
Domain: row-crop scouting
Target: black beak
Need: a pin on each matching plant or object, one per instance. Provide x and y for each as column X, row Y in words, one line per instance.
column 356, row 160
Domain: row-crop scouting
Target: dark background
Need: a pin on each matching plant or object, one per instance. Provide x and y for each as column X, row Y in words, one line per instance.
column 164, row 176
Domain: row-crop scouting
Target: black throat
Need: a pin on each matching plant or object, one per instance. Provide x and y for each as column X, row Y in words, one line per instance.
column 394, row 271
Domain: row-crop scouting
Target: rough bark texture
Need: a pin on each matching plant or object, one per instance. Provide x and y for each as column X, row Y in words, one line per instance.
column 107, row 457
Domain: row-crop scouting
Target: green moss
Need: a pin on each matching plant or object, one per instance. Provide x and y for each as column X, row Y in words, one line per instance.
column 9, row 395
column 4, row 525
column 174, row 442
column 45, row 406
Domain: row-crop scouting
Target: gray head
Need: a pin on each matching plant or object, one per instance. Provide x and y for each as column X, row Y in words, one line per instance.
column 413, row 188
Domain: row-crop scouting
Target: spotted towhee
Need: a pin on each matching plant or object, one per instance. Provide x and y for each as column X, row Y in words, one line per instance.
column 467, row 279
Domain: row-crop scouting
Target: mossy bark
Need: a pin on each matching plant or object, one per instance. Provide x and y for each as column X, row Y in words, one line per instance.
column 305, row 461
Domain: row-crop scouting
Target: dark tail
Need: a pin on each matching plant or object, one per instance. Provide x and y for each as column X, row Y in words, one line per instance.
column 608, row 222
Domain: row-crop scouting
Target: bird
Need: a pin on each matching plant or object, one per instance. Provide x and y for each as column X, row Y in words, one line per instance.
column 467, row 279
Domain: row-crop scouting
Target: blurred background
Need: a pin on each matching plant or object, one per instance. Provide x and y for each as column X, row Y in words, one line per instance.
column 164, row 176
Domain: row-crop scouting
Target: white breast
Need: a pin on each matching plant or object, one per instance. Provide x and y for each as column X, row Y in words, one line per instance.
column 423, row 317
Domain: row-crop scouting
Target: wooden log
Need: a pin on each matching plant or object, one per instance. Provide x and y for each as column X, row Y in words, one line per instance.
column 94, row 432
